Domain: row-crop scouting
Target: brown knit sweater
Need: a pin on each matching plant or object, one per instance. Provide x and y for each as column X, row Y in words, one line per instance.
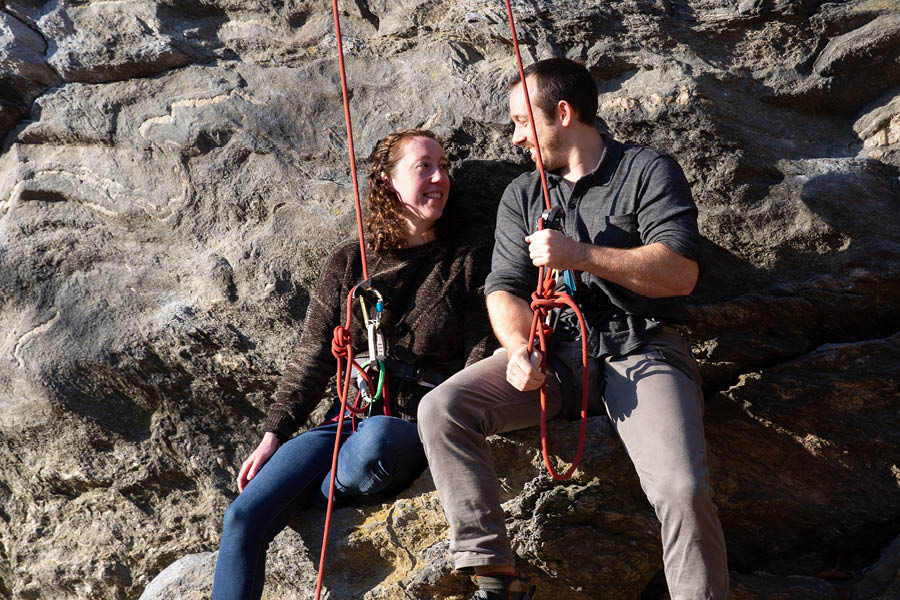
column 434, row 317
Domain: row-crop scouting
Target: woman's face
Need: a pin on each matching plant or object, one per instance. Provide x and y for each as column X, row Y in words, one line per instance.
column 422, row 183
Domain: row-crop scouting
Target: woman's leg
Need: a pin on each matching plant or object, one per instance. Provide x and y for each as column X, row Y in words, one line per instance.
column 384, row 455
column 285, row 484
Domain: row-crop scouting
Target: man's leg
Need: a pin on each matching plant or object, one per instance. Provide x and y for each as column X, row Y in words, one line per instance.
column 454, row 420
column 655, row 402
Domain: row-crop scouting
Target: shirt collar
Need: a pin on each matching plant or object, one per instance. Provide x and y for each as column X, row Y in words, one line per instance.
column 609, row 160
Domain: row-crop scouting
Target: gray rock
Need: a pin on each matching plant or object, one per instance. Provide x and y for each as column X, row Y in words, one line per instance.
column 24, row 74
column 188, row 578
column 174, row 173
column 99, row 42
column 882, row 580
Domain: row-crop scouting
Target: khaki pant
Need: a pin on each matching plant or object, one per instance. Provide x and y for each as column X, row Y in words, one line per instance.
column 654, row 400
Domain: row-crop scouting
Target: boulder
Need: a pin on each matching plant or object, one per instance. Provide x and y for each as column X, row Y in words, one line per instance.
column 173, row 174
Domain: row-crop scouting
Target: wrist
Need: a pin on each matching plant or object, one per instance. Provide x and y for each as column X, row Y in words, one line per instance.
column 583, row 254
column 513, row 345
column 272, row 437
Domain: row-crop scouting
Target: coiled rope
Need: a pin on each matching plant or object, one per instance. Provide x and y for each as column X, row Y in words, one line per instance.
column 545, row 298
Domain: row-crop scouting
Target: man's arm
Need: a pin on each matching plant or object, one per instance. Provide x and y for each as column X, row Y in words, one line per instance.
column 511, row 319
column 653, row 270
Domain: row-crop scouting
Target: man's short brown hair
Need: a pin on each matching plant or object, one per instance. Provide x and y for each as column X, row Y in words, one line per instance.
column 562, row 79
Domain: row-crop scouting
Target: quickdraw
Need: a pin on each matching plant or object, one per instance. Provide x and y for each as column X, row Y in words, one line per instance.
column 546, row 298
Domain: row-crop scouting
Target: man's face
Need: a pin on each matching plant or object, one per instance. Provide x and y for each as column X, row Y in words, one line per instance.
column 547, row 128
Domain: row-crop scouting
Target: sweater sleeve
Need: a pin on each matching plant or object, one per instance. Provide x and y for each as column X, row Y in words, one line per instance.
column 311, row 364
column 479, row 340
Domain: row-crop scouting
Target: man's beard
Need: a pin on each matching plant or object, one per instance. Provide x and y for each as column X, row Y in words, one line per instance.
column 550, row 156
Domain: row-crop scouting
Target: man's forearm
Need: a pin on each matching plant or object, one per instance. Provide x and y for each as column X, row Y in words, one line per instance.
column 653, row 271
column 510, row 318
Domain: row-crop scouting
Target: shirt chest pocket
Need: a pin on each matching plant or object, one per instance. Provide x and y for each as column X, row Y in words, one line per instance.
column 617, row 231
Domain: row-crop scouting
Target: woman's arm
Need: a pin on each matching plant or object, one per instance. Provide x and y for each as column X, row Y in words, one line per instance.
column 311, row 364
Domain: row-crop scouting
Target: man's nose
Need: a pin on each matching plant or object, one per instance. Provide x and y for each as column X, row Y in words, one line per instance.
column 518, row 135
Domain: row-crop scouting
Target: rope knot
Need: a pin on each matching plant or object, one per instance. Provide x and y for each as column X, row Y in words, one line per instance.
column 545, row 297
column 340, row 343
column 546, row 289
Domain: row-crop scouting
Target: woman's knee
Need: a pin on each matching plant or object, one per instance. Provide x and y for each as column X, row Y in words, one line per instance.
column 383, row 453
column 239, row 520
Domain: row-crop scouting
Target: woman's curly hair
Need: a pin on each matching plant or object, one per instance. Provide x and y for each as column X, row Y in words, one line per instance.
column 383, row 219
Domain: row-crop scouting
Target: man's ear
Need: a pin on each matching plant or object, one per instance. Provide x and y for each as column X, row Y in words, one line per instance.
column 565, row 113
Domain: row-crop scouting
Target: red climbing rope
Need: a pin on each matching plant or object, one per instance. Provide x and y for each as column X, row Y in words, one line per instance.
column 342, row 343
column 359, row 224
column 546, row 298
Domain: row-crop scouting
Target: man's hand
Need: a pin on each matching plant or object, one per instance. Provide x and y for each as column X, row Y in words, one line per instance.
column 523, row 372
column 255, row 461
column 550, row 248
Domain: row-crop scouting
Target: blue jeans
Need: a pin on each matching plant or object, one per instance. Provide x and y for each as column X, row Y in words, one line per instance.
column 384, row 455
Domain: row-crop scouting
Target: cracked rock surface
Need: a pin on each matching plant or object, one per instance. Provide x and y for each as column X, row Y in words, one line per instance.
column 173, row 173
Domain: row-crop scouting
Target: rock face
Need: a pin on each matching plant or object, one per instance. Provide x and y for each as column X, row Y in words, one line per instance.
column 173, row 173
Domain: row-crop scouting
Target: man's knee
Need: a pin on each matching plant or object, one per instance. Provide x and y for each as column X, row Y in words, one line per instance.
column 680, row 495
column 435, row 411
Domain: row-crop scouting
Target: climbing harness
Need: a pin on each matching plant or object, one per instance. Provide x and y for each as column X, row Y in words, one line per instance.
column 546, row 298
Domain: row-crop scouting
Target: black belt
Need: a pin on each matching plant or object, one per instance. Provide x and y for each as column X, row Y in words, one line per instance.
column 416, row 374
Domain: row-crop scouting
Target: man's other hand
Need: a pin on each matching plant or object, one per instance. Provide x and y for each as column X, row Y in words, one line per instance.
column 523, row 372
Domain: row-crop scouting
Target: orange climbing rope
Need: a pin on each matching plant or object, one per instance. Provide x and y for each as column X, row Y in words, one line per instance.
column 342, row 343
column 546, row 298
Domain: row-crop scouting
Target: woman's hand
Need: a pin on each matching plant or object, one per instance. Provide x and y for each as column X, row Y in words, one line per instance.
column 255, row 461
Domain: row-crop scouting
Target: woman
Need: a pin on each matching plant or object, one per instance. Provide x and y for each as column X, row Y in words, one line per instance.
column 434, row 325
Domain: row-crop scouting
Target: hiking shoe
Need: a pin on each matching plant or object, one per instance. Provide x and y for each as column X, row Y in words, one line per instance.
column 485, row 595
column 496, row 587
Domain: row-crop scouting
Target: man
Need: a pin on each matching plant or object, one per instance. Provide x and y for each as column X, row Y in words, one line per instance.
column 634, row 244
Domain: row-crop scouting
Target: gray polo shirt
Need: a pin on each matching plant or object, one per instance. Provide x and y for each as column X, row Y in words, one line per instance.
column 636, row 196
